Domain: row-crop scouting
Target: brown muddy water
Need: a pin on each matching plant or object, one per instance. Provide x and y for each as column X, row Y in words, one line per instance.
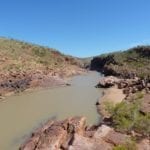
column 21, row 114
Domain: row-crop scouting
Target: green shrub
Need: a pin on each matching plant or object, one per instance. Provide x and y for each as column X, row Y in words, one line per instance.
column 127, row 117
column 139, row 95
column 142, row 124
column 130, row 145
column 124, row 115
column 41, row 52
column 109, row 107
column 120, row 147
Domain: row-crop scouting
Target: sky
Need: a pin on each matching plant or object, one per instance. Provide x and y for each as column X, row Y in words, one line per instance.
column 80, row 28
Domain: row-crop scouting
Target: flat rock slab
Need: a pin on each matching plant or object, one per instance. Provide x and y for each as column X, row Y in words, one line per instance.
column 107, row 82
column 84, row 143
column 102, row 131
column 116, row 138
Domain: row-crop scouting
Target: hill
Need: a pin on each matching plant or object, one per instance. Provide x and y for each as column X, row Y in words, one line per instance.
column 25, row 65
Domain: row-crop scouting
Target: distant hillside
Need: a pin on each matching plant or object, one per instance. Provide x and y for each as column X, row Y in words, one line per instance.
column 25, row 65
column 86, row 61
column 17, row 55
column 135, row 61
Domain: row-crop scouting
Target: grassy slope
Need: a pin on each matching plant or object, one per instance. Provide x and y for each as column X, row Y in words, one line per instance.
column 20, row 56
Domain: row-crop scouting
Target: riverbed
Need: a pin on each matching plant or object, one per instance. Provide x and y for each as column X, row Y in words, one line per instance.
column 21, row 114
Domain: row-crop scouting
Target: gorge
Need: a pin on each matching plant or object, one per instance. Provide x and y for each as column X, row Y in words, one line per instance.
column 42, row 89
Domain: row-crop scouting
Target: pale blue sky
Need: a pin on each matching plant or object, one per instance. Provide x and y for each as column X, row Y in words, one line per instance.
column 77, row 27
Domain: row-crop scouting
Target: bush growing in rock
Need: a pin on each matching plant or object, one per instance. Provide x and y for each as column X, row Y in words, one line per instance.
column 129, row 145
column 142, row 124
column 126, row 117
column 119, row 147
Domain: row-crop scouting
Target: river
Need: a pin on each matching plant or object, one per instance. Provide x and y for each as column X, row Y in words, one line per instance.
column 21, row 114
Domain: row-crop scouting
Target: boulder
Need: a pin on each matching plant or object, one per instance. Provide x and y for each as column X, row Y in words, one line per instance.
column 84, row 143
column 107, row 82
column 102, row 131
column 78, row 124
column 126, row 91
column 52, row 138
column 122, row 85
column 116, row 138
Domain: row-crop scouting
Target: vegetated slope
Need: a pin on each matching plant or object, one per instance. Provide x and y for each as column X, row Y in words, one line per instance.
column 23, row 65
column 135, row 61
column 18, row 56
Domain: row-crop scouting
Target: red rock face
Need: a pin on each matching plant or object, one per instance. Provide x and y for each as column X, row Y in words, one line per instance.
column 73, row 134
column 18, row 82
column 54, row 135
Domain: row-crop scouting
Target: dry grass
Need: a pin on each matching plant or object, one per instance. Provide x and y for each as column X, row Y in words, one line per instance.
column 21, row 56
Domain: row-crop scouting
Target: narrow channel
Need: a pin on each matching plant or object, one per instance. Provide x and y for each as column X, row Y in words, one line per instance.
column 20, row 114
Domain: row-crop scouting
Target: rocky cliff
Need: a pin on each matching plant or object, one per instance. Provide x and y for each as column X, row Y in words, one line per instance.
column 126, row 64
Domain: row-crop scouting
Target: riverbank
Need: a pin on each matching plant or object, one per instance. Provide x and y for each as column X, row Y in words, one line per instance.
column 113, row 96
column 125, row 107
column 15, row 82
column 29, row 66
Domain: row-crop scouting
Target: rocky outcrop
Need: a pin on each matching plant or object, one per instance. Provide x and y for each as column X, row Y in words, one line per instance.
column 18, row 82
column 123, row 89
column 73, row 134
column 97, row 63
column 107, row 82
column 124, row 64
column 134, row 85
column 55, row 135
column 129, row 86
column 14, row 82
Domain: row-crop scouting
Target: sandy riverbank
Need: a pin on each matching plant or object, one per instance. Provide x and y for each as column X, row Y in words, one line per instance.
column 112, row 95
